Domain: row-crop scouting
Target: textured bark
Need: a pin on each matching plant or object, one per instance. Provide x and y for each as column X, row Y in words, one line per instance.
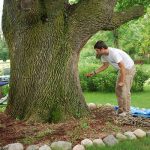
column 120, row 18
column 45, row 38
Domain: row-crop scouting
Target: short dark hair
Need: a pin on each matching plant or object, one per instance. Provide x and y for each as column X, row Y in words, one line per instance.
column 100, row 45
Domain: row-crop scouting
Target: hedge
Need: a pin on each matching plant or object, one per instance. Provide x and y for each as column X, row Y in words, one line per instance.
column 106, row 80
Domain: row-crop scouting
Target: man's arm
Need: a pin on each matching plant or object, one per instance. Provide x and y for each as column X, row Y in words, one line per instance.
column 102, row 68
column 122, row 73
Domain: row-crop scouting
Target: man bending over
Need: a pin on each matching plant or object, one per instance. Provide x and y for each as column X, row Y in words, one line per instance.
column 126, row 71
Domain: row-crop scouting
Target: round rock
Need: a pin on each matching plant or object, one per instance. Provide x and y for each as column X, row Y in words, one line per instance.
column 121, row 137
column 110, row 140
column 99, row 105
column 87, row 143
column 139, row 133
column 13, row 146
column 130, row 135
column 98, row 142
column 92, row 106
column 45, row 147
column 78, row 147
column 108, row 105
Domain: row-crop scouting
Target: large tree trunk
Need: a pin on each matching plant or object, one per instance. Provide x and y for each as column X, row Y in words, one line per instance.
column 45, row 38
column 44, row 83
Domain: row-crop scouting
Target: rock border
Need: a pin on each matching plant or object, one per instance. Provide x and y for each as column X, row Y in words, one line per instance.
column 109, row 140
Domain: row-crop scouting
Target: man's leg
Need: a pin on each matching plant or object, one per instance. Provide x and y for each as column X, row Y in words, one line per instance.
column 123, row 93
column 121, row 96
column 129, row 82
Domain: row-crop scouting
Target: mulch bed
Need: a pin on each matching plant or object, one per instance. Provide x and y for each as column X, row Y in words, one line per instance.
column 101, row 123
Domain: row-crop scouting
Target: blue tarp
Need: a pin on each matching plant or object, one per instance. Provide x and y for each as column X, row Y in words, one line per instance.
column 138, row 112
column 3, row 83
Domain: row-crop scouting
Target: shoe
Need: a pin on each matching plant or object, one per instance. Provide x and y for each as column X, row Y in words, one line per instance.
column 123, row 114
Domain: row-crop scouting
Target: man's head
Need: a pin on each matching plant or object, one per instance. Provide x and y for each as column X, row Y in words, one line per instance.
column 101, row 48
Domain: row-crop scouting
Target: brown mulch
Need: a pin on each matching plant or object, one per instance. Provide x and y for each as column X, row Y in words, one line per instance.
column 100, row 124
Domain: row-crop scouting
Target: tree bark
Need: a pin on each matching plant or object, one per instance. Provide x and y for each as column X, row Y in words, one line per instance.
column 44, row 40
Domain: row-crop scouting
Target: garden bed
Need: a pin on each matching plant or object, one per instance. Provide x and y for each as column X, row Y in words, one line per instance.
column 103, row 121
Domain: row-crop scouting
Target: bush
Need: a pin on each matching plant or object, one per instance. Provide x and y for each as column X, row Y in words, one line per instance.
column 139, row 80
column 87, row 83
column 106, row 81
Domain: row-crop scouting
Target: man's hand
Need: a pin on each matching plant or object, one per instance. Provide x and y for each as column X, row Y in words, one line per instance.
column 121, row 84
column 102, row 68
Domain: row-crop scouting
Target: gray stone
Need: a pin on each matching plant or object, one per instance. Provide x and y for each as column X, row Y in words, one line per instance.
column 33, row 147
column 99, row 105
column 78, row 147
column 87, row 143
column 148, row 133
column 98, row 142
column 139, row 133
column 92, row 106
column 130, row 135
column 13, row 146
column 45, row 147
column 61, row 145
column 121, row 137
column 110, row 140
column 108, row 105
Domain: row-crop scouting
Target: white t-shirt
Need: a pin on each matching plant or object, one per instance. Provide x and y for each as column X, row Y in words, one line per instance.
column 115, row 56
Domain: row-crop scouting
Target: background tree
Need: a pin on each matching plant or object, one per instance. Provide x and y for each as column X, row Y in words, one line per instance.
column 134, row 38
column 45, row 39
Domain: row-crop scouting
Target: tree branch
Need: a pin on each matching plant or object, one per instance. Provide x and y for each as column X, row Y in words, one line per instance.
column 86, row 18
column 91, row 16
column 121, row 18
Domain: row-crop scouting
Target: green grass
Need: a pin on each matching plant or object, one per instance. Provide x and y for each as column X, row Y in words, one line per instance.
column 139, row 99
column 140, row 144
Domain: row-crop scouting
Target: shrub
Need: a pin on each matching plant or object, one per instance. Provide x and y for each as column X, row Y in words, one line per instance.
column 106, row 81
column 139, row 80
column 87, row 83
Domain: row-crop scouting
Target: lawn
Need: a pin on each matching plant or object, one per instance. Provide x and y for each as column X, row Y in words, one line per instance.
column 139, row 99
column 140, row 144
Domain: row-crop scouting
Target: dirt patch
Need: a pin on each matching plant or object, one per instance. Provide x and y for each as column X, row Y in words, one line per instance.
column 103, row 121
